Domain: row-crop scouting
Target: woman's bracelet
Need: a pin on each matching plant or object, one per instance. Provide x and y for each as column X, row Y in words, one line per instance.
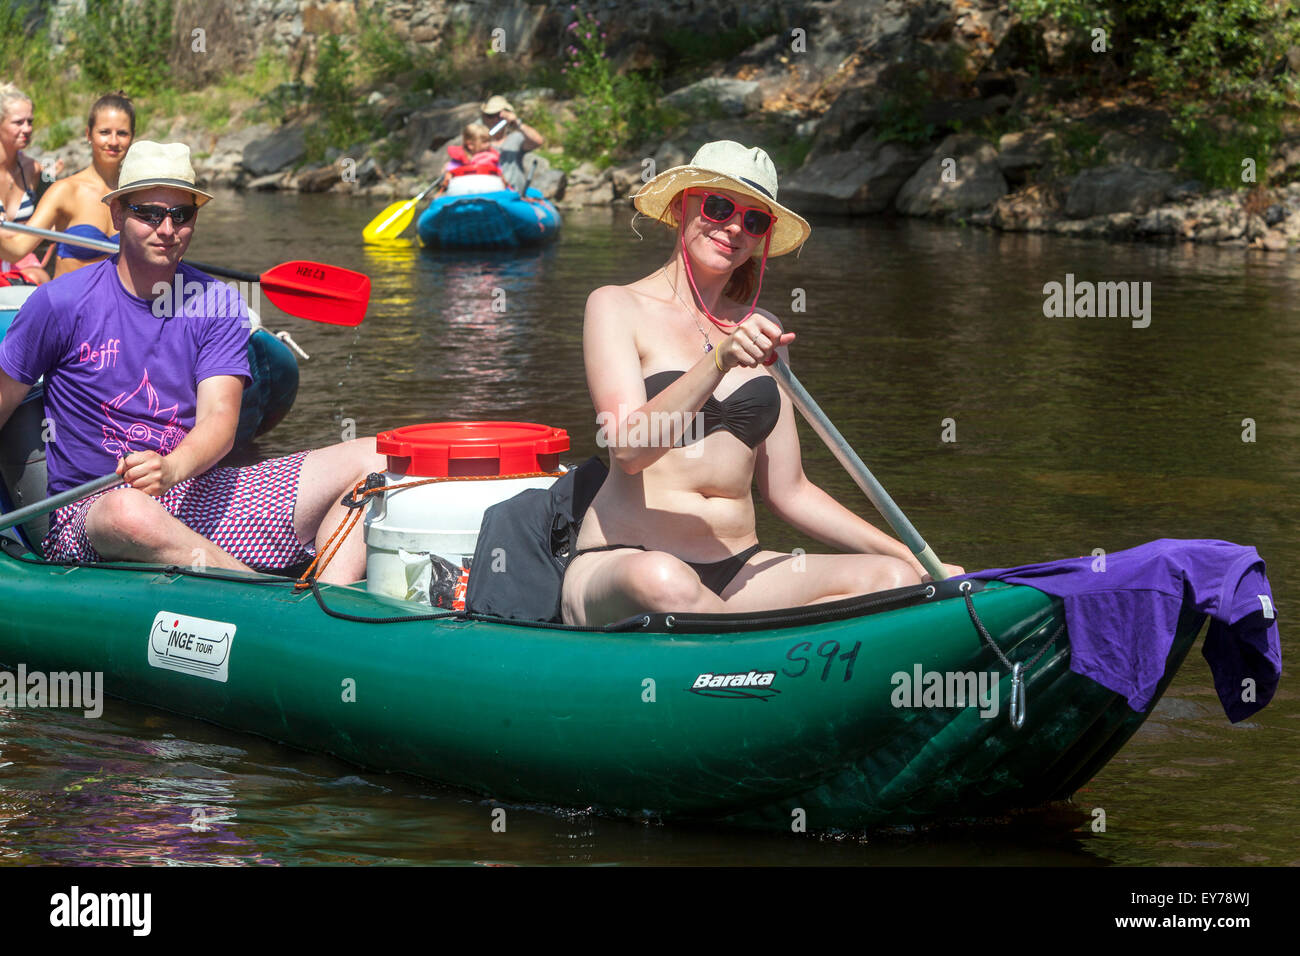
column 718, row 362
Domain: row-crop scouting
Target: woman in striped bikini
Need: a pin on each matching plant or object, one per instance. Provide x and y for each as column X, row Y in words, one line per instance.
column 73, row 205
column 690, row 416
column 19, row 174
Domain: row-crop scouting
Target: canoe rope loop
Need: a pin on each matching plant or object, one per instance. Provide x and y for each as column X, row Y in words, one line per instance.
column 284, row 336
column 1016, row 711
column 375, row 484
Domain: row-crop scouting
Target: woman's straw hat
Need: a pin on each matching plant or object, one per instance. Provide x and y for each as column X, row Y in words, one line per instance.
column 726, row 165
column 157, row 164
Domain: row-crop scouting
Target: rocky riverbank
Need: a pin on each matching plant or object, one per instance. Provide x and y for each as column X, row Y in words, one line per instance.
column 832, row 91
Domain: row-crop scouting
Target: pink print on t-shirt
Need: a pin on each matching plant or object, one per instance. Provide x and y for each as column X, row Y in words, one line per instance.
column 102, row 357
column 154, row 429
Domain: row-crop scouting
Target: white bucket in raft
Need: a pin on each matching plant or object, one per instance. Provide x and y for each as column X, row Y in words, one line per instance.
column 477, row 461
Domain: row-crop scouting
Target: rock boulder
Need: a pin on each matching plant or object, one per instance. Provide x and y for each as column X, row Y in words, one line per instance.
column 862, row 180
column 431, row 127
column 1118, row 187
column 731, row 97
column 961, row 176
column 282, row 148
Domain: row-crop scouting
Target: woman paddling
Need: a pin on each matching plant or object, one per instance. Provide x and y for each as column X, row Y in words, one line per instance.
column 673, row 526
column 20, row 175
column 73, row 205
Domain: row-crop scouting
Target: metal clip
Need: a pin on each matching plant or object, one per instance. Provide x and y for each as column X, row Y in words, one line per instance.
column 373, row 480
column 1017, row 712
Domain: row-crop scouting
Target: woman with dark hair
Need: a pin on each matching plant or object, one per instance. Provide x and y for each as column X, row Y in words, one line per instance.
column 675, row 365
column 73, row 205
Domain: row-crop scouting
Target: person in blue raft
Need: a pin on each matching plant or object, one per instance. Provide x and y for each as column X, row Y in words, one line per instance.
column 690, row 416
column 511, row 138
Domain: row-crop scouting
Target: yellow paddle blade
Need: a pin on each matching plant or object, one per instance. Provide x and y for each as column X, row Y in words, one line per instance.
column 390, row 223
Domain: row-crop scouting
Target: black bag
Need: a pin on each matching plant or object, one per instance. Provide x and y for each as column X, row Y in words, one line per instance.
column 524, row 546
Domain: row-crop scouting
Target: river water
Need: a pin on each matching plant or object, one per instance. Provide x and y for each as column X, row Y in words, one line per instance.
column 1007, row 436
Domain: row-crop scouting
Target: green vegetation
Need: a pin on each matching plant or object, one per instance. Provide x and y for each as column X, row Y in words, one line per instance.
column 213, row 106
column 122, row 45
column 341, row 120
column 564, row 162
column 1214, row 146
column 1077, row 147
column 789, row 153
column 1220, row 68
column 383, row 54
column 116, row 46
column 543, row 120
column 899, row 111
column 690, row 49
column 1225, row 50
column 60, row 133
column 27, row 59
column 612, row 112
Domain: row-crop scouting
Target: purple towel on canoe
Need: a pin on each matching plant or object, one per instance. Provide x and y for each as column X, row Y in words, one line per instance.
column 1121, row 620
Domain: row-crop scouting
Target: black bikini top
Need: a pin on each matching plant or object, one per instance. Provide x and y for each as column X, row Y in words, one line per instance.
column 749, row 413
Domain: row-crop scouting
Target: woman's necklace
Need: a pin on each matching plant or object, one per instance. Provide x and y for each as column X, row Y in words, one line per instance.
column 708, row 345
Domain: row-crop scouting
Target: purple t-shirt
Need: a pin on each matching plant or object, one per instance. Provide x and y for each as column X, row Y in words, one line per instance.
column 1122, row 610
column 122, row 372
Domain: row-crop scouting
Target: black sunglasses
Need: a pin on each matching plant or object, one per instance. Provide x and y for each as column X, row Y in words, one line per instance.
column 154, row 215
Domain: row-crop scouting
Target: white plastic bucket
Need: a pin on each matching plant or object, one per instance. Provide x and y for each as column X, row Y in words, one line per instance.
column 440, row 519
column 466, row 468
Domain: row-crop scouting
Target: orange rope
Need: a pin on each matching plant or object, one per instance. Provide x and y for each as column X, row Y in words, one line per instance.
column 361, row 493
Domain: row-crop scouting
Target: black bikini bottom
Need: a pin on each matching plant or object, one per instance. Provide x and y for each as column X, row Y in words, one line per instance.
column 715, row 575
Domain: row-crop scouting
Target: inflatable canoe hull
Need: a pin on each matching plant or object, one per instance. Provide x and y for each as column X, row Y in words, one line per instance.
column 492, row 220
column 745, row 719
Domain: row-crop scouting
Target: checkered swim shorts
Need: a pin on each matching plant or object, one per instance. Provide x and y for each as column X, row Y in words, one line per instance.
column 247, row 512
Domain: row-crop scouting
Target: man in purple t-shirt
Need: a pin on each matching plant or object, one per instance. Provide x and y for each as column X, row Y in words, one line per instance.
column 149, row 382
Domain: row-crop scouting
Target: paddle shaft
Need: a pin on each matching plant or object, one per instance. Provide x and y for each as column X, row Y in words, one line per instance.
column 110, row 247
column 405, row 206
column 858, row 471
column 36, row 509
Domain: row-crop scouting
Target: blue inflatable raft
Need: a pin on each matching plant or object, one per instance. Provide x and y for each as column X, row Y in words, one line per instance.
column 492, row 220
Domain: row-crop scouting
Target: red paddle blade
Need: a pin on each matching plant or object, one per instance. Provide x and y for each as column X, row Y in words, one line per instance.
column 323, row 293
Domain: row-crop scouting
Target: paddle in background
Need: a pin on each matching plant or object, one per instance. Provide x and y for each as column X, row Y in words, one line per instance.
column 392, row 222
column 309, row 290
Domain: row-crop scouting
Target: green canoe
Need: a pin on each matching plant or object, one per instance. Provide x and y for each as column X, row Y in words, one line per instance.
column 744, row 718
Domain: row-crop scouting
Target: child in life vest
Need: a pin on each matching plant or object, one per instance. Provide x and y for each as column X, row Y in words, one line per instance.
column 475, row 155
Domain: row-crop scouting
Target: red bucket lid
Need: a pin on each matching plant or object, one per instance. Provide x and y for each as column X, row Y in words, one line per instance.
column 444, row 449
